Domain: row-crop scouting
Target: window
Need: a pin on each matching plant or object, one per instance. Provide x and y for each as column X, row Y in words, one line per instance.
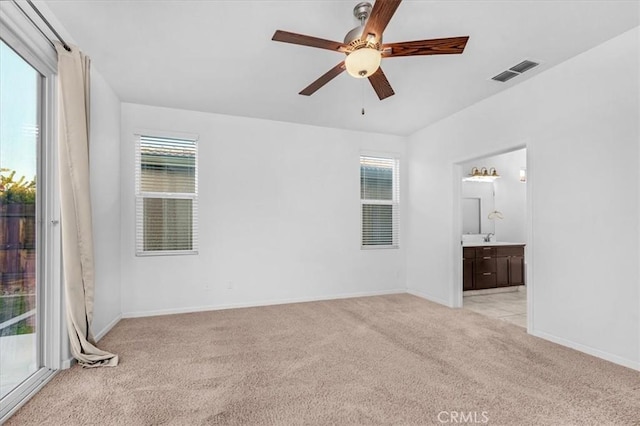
column 379, row 196
column 166, row 195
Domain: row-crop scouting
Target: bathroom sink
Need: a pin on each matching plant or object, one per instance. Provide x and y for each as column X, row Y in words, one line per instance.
column 473, row 238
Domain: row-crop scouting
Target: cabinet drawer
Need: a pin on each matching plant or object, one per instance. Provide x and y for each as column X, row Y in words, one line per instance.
column 510, row 251
column 468, row 253
column 485, row 252
column 485, row 264
column 486, row 280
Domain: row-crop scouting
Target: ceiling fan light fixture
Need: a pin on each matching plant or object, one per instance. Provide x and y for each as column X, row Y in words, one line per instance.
column 364, row 49
column 363, row 62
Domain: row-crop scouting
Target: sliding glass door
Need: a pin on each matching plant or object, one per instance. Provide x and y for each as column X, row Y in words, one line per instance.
column 20, row 111
column 32, row 347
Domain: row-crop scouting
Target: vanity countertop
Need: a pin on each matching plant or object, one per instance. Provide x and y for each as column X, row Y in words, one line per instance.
column 490, row 244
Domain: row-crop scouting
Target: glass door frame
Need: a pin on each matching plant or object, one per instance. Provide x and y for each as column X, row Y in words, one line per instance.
column 22, row 36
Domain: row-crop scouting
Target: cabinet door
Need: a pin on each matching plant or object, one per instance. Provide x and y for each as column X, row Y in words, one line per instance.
column 502, row 271
column 516, row 270
column 467, row 274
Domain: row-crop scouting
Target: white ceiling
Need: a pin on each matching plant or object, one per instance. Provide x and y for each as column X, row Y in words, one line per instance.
column 217, row 56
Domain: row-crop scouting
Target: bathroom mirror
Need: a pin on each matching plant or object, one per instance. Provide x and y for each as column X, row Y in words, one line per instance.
column 471, row 215
column 478, row 200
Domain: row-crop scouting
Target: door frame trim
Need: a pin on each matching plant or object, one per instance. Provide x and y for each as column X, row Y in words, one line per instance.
column 455, row 291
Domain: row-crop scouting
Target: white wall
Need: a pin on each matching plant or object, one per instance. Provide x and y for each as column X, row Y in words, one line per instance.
column 511, row 196
column 579, row 121
column 279, row 216
column 104, row 152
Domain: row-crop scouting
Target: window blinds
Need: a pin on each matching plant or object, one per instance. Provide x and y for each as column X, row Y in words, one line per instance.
column 166, row 195
column 379, row 196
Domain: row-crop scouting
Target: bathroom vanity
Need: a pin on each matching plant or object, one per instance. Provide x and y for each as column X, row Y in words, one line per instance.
column 492, row 265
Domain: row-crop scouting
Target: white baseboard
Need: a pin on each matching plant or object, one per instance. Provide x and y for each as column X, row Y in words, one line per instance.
column 587, row 349
column 108, row 328
column 430, row 298
column 67, row 363
column 513, row 289
column 259, row 303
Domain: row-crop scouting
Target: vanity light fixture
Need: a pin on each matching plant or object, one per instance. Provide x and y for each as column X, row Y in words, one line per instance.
column 482, row 175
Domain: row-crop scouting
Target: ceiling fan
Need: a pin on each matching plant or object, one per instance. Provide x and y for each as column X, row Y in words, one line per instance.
column 364, row 48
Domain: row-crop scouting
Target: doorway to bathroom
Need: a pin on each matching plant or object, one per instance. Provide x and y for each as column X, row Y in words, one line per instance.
column 494, row 236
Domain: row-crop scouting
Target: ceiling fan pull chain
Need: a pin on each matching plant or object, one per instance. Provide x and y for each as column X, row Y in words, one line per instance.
column 362, row 85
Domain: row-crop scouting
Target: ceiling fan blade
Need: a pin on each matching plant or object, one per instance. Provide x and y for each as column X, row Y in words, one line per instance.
column 324, row 79
column 438, row 46
column 305, row 40
column 381, row 85
column 381, row 14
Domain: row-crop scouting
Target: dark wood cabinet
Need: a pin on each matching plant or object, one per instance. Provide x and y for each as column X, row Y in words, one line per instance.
column 492, row 266
column 485, row 280
column 468, row 267
column 467, row 274
column 516, row 270
column 502, row 271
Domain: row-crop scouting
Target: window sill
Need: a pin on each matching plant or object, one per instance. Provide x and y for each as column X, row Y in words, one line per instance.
column 166, row 253
column 379, row 247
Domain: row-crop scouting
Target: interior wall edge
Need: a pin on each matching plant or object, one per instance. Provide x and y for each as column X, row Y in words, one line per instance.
column 431, row 298
column 273, row 302
column 625, row 362
column 99, row 335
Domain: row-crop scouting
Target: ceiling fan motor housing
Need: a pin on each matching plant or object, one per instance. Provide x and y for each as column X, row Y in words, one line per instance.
column 355, row 38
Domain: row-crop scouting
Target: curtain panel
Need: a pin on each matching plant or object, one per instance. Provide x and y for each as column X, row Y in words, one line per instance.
column 75, row 206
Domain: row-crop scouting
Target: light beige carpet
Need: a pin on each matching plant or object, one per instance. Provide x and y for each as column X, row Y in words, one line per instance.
column 376, row 360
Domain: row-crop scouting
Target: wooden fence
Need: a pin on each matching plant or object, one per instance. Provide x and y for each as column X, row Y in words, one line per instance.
column 17, row 249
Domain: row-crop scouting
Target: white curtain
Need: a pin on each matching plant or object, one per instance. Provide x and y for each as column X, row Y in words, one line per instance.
column 77, row 236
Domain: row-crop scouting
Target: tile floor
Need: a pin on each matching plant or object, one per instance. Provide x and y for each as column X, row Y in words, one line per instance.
column 509, row 306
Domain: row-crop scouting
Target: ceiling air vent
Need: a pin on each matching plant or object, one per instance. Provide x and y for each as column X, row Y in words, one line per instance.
column 523, row 66
column 504, row 76
column 515, row 71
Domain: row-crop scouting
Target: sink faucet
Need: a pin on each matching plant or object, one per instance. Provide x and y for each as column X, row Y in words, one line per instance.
column 487, row 239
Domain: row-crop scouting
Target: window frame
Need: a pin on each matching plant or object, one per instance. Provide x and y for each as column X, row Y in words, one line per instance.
column 141, row 195
column 394, row 202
